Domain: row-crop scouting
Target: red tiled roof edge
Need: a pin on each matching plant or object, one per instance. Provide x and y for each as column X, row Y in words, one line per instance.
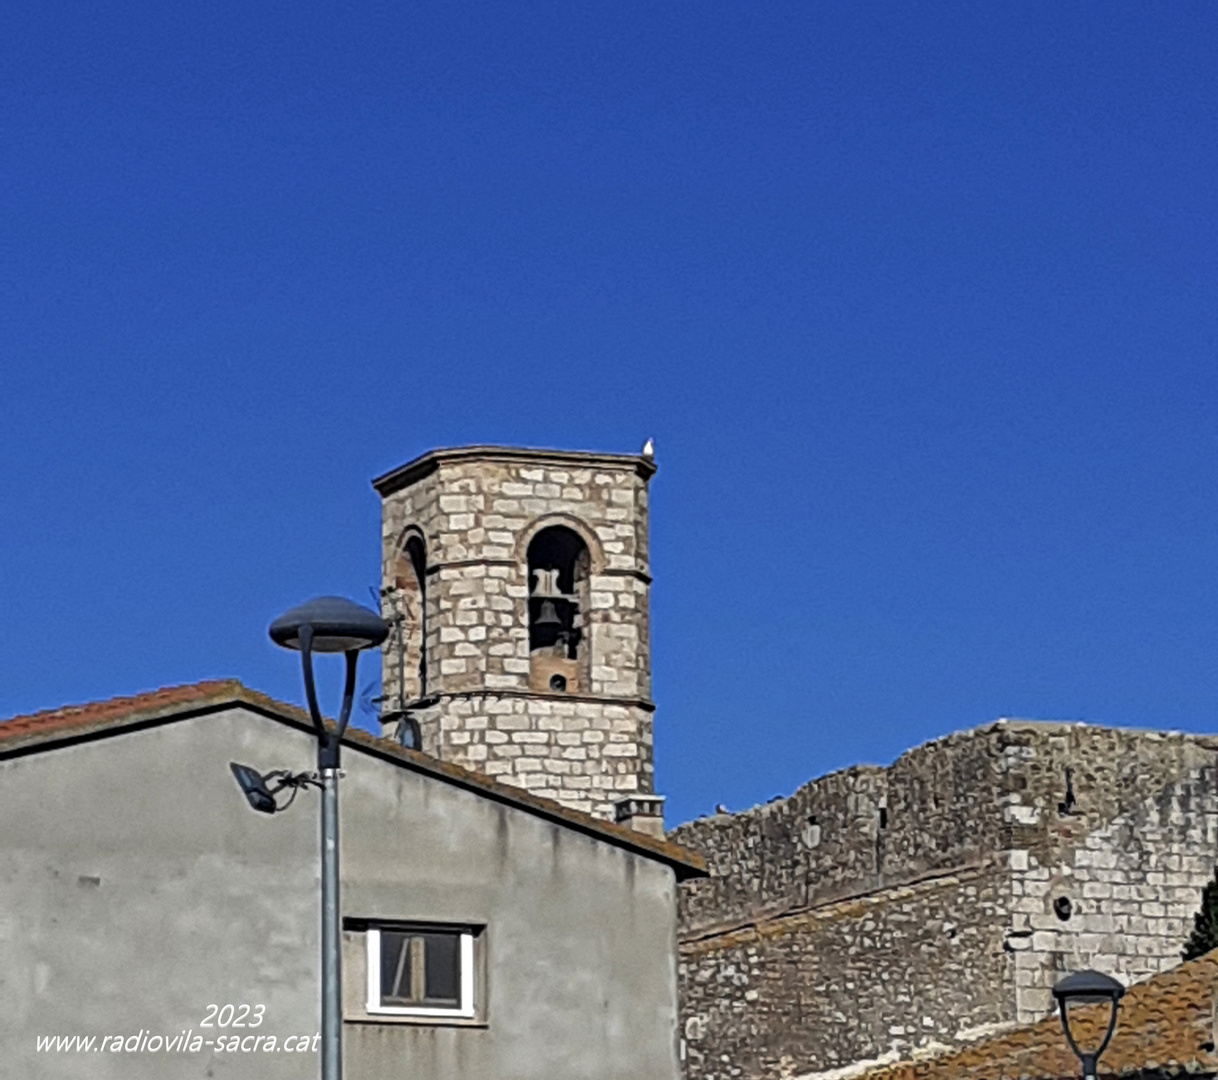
column 1165, row 1023
column 74, row 721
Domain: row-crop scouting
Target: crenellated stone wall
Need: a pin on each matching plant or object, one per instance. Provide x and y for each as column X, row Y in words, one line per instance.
column 885, row 911
column 475, row 511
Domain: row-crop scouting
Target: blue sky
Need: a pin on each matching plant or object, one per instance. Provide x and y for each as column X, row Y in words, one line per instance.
column 918, row 300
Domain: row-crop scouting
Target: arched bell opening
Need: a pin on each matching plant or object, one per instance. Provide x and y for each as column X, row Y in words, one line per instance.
column 559, row 576
column 404, row 607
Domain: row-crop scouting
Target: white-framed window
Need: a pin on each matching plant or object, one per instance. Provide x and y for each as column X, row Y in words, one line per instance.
column 420, row 970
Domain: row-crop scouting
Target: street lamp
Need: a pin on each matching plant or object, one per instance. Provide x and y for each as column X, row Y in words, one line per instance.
column 1088, row 988
column 329, row 624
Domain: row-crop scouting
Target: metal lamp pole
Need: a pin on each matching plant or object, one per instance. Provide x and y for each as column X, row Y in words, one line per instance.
column 329, row 624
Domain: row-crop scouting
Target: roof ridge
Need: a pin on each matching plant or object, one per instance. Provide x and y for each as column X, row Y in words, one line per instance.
column 142, row 701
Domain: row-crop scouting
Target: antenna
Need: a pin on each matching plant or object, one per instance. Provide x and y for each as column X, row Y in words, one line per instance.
column 373, row 704
column 390, row 596
column 407, row 727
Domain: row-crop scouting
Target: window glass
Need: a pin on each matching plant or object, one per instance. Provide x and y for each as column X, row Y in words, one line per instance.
column 420, row 968
column 396, row 969
column 442, row 968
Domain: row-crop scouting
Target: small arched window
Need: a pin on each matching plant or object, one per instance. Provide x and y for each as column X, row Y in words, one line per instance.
column 405, row 608
column 559, row 575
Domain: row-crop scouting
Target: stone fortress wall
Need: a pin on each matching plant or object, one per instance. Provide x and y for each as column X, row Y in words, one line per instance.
column 457, row 530
column 884, row 911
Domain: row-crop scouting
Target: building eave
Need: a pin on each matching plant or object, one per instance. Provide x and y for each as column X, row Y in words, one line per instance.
column 46, row 731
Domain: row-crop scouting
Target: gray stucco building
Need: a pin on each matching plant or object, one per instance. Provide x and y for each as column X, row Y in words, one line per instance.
column 488, row 932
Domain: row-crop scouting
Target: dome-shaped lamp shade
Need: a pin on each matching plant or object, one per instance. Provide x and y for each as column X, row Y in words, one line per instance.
column 339, row 625
column 1088, row 988
column 1090, row 1034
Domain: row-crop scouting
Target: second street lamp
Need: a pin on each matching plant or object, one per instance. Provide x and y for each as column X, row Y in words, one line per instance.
column 1088, row 988
column 329, row 624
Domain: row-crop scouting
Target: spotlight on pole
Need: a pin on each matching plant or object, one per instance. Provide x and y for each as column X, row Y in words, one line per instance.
column 254, row 787
column 260, row 790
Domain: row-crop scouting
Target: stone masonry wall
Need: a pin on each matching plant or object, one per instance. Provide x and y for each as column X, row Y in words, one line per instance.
column 1130, row 855
column 866, row 914
column 912, row 966
column 477, row 509
column 586, row 755
column 816, row 846
column 849, row 833
column 891, row 911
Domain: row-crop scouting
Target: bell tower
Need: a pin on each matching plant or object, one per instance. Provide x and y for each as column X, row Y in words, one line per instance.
column 516, row 582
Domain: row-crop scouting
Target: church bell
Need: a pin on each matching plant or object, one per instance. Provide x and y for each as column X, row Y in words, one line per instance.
column 548, row 616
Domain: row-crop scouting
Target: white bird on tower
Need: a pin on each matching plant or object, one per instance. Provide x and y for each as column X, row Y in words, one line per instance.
column 649, row 448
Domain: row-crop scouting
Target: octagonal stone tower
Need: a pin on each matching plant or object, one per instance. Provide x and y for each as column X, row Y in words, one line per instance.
column 516, row 582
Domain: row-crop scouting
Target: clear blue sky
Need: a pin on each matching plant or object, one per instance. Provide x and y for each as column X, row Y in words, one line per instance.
column 918, row 300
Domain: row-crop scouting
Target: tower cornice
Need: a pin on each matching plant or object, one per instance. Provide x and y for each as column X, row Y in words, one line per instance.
column 413, row 471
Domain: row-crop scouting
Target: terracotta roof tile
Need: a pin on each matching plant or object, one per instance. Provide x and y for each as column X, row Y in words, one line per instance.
column 1165, row 1023
column 67, row 718
column 28, row 733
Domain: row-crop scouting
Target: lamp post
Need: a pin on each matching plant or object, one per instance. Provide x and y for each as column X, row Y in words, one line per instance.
column 329, row 624
column 1088, row 988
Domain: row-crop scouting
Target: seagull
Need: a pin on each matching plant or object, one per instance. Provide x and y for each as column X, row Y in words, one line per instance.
column 721, row 809
column 649, row 448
